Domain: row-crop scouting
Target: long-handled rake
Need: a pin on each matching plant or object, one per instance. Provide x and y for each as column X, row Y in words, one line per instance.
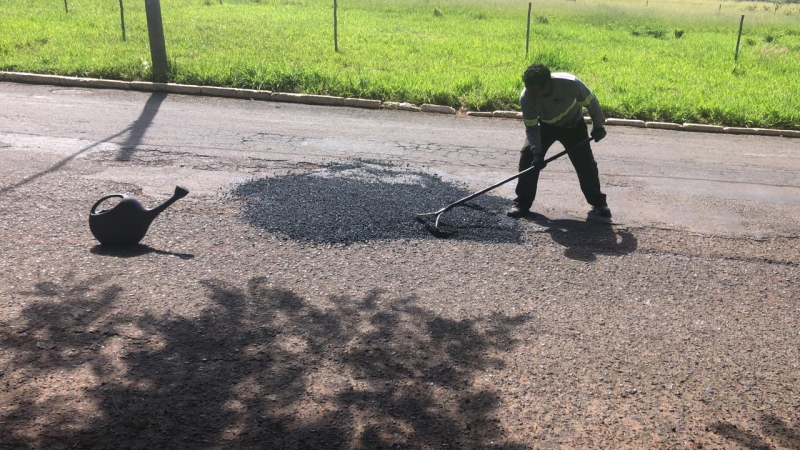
column 421, row 217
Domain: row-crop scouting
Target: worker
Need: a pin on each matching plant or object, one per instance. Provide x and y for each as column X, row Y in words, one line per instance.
column 552, row 108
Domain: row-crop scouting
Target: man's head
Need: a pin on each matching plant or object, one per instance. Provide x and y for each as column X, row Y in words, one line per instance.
column 537, row 81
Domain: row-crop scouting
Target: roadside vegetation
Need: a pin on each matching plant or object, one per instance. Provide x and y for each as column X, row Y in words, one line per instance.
column 659, row 60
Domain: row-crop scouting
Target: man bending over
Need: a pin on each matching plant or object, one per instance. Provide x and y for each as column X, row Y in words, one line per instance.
column 552, row 106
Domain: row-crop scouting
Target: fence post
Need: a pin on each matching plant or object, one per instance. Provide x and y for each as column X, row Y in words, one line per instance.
column 738, row 39
column 528, row 33
column 158, row 49
column 122, row 19
column 335, row 26
column 66, row 8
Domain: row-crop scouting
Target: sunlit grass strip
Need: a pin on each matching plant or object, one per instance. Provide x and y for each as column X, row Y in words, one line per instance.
column 657, row 63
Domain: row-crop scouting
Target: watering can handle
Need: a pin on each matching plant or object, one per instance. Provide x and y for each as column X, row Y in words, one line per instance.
column 94, row 207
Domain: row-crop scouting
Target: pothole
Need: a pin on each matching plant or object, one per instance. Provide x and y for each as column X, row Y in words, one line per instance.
column 366, row 200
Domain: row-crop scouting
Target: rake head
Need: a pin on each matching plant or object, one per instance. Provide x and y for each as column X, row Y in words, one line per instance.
column 425, row 219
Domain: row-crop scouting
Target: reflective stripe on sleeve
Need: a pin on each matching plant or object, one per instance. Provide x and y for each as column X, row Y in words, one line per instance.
column 532, row 122
column 588, row 99
column 561, row 116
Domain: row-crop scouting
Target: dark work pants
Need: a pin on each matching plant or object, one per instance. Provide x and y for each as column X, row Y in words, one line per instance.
column 582, row 159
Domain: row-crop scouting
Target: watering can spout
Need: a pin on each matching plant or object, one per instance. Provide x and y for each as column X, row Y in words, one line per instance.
column 180, row 192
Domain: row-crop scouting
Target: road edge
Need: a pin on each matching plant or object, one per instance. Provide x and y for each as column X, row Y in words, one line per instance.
column 327, row 100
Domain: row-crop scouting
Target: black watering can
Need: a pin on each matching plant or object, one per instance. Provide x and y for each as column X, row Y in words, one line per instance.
column 127, row 222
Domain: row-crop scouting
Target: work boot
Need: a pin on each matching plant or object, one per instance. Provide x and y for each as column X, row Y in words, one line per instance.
column 517, row 212
column 602, row 211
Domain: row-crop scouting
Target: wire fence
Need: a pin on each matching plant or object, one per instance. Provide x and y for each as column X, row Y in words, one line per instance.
column 160, row 60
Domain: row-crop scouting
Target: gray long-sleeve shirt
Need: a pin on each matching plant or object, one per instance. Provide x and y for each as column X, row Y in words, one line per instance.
column 564, row 108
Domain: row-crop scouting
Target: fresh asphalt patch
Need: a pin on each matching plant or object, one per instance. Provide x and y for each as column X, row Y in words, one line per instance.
column 364, row 201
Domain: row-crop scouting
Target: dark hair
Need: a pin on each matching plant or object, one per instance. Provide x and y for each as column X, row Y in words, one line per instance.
column 536, row 75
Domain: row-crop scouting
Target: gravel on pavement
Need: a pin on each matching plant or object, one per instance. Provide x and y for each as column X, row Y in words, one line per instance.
column 301, row 306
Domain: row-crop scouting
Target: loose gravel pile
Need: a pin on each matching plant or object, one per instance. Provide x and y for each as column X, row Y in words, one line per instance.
column 367, row 201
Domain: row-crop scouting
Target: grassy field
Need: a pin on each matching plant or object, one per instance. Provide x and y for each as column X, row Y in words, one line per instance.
column 656, row 60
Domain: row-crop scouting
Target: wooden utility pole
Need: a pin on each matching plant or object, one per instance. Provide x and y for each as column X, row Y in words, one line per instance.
column 158, row 49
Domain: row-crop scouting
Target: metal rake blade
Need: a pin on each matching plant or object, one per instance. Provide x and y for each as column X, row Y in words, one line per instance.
column 434, row 230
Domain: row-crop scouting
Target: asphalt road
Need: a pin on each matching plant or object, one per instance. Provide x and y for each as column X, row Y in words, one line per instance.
column 705, row 183
column 674, row 327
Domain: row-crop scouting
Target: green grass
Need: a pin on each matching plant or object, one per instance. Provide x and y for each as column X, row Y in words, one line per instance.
column 669, row 61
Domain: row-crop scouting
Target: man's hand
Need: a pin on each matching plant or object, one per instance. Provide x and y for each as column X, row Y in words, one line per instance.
column 538, row 161
column 598, row 134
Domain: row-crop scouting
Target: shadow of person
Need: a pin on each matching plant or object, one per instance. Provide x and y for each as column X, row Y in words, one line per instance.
column 584, row 240
column 133, row 251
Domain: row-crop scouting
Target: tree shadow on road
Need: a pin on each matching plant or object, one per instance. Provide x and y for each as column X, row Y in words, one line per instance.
column 584, row 240
column 260, row 368
column 774, row 431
